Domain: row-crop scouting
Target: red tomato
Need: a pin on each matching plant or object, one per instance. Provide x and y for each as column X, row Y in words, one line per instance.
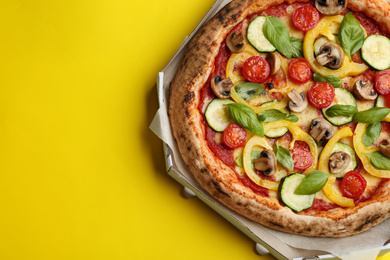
column 353, row 185
column 387, row 97
column 302, row 157
column 305, row 18
column 382, row 82
column 234, row 136
column 321, row 94
column 256, row 69
column 299, row 70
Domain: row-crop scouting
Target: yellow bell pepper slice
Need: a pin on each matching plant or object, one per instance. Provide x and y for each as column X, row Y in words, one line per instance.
column 361, row 150
column 298, row 134
column 262, row 142
column 325, row 27
column 328, row 189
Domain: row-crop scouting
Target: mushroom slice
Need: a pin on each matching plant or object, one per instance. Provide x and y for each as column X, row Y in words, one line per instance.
column 364, row 90
column 298, row 101
column 338, row 162
column 235, row 42
column 384, row 148
column 221, row 87
column 321, row 129
column 331, row 7
column 331, row 54
column 274, row 62
column 266, row 163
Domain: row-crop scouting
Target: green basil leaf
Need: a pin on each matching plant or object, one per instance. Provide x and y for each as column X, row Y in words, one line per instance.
column 332, row 80
column 341, row 110
column 312, row 183
column 378, row 160
column 245, row 117
column 351, row 34
column 292, row 118
column 249, row 90
column 278, row 35
column 372, row 115
column 372, row 133
column 271, row 115
column 297, row 47
column 283, row 156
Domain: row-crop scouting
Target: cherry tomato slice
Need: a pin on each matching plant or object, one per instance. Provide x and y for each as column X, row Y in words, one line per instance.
column 301, row 155
column 353, row 185
column 305, row 18
column 382, row 82
column 256, row 69
column 234, row 136
column 299, row 70
column 321, row 94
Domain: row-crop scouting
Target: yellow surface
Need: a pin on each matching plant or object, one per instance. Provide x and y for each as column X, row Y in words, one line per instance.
column 81, row 175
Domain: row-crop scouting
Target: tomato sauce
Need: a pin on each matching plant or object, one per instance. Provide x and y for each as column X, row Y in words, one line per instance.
column 319, row 205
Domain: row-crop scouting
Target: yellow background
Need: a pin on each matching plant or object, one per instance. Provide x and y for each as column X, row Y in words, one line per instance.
column 81, row 175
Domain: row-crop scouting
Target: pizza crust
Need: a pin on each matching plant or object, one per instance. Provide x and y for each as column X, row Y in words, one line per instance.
column 221, row 181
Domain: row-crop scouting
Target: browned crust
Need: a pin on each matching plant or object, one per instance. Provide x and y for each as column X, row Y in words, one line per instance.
column 221, row 181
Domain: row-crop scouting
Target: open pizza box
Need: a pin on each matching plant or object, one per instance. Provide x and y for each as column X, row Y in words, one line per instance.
column 368, row 245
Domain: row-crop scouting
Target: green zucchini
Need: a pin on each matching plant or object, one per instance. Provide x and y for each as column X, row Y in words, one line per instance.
column 341, row 147
column 217, row 115
column 274, row 133
column 256, row 36
column 287, row 187
column 342, row 97
column 380, row 101
column 318, row 43
column 375, row 51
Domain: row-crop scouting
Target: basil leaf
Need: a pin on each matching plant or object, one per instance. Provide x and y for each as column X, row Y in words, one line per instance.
column 378, row 160
column 372, row 133
column 372, row 115
column 292, row 118
column 312, row 183
column 297, row 47
column 283, row 156
column 278, row 35
column 332, row 80
column 249, row 90
column 271, row 115
column 245, row 117
column 351, row 34
column 341, row 110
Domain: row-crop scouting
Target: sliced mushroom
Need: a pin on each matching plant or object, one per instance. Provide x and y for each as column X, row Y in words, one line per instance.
column 384, row 148
column 298, row 101
column 364, row 90
column 321, row 129
column 331, row 7
column 221, row 87
column 235, row 42
column 274, row 62
column 338, row 162
column 266, row 163
column 331, row 54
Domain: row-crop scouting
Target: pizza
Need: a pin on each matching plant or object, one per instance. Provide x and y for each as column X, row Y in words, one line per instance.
column 281, row 112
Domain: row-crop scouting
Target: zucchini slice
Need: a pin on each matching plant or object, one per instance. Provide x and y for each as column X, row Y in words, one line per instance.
column 256, row 36
column 318, row 43
column 375, row 51
column 217, row 115
column 278, row 132
column 341, row 147
column 342, row 97
column 287, row 187
column 380, row 101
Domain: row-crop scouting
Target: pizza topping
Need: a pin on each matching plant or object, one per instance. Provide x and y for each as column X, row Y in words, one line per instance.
column 331, row 7
column 321, row 129
column 266, row 163
column 235, row 42
column 331, row 54
column 298, row 101
column 234, row 136
column 384, row 148
column 256, row 69
column 321, row 94
column 221, row 87
column 353, row 185
column 274, row 63
column 299, row 70
column 382, row 82
column 305, row 18
column 375, row 51
column 301, row 156
column 364, row 90
column 338, row 162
